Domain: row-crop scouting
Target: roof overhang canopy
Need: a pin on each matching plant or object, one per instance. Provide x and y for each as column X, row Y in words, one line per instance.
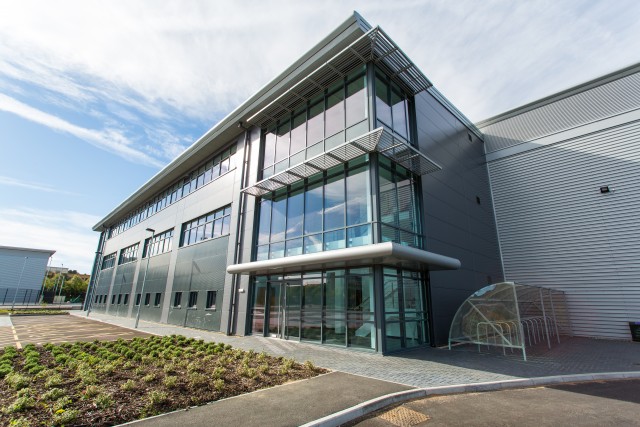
column 373, row 46
column 378, row 140
column 387, row 253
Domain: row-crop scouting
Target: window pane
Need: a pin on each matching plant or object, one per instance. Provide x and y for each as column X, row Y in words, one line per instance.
column 335, row 112
column 399, row 108
column 359, row 236
column 294, row 247
column 262, row 253
column 276, row 250
column 208, row 230
column 383, row 109
column 313, row 209
column 282, row 142
column 388, row 202
column 217, row 228
column 334, row 240
column 356, row 103
column 334, row 203
column 226, row 223
column 299, row 133
column 295, row 214
column 269, row 148
column 358, row 206
column 313, row 243
column 278, row 218
column 334, row 292
column 315, row 124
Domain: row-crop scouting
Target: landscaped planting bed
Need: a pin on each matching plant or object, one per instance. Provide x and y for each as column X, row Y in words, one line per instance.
column 103, row 383
column 34, row 311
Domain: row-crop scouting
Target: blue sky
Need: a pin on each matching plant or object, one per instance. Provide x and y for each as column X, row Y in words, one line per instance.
column 95, row 97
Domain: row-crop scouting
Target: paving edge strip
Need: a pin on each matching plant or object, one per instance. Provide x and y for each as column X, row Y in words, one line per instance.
column 378, row 403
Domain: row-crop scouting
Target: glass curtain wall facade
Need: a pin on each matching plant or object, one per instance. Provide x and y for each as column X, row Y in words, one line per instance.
column 333, row 210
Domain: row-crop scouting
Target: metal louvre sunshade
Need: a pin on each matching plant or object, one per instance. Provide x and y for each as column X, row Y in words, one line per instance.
column 378, row 140
column 373, row 46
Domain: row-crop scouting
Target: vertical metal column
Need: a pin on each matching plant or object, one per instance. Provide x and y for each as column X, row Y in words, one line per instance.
column 544, row 317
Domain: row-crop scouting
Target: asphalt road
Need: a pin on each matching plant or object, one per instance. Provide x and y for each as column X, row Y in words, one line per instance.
column 601, row 403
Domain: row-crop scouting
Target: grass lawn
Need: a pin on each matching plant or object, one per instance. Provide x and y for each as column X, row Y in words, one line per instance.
column 103, row 383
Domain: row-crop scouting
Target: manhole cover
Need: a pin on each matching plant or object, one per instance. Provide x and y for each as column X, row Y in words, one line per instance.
column 402, row 417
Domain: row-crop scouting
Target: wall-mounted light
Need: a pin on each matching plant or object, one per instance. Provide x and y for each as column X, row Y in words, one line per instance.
column 605, row 189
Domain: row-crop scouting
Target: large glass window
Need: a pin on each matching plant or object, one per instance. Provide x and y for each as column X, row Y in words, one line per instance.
column 128, row 254
column 392, row 106
column 399, row 206
column 210, row 226
column 331, row 210
column 109, row 261
column 338, row 115
column 161, row 243
column 331, row 307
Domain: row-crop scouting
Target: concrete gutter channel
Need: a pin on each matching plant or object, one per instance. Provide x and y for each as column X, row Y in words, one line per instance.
column 376, row 404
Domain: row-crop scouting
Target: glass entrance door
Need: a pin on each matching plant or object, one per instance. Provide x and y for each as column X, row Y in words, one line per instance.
column 284, row 309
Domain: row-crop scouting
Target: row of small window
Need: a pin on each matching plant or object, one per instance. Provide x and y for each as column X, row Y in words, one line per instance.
column 216, row 166
column 161, row 243
column 193, row 300
column 325, row 118
column 123, row 299
column 209, row 226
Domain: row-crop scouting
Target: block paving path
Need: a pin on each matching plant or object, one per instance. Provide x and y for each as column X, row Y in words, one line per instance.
column 429, row 367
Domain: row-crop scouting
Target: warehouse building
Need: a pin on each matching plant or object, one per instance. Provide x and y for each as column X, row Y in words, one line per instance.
column 22, row 274
column 346, row 203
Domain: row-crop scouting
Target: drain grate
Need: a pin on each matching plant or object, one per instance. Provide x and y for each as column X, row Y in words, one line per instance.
column 404, row 417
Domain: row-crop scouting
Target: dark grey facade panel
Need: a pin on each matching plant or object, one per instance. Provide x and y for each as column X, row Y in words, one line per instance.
column 454, row 223
column 122, row 284
column 558, row 230
column 155, row 283
column 200, row 268
column 612, row 98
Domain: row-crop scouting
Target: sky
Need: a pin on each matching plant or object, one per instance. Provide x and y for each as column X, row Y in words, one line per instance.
column 96, row 97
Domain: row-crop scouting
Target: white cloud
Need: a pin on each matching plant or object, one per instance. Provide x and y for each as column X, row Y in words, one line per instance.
column 67, row 232
column 109, row 139
column 13, row 182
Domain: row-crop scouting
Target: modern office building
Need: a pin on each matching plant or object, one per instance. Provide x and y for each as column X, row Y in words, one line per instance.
column 346, row 203
column 22, row 273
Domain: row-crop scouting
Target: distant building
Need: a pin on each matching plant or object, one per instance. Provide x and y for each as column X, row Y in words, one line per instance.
column 57, row 270
column 349, row 203
column 22, row 269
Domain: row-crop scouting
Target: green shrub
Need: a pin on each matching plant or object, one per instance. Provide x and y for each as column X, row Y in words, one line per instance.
column 91, row 391
column 218, row 384
column 63, row 417
column 149, row 378
column 103, row 401
column 218, row 372
column 21, row 404
column 157, row 397
column 53, row 381
column 17, row 381
column 170, row 381
column 53, row 394
column 309, row 365
column 62, row 403
column 5, row 370
column 263, row 368
column 86, row 375
column 128, row 385
column 19, row 422
column 196, row 379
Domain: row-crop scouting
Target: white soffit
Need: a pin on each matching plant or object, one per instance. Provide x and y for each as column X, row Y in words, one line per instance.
column 388, row 253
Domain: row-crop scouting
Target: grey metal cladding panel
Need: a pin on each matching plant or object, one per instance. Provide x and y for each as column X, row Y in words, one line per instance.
column 597, row 103
column 12, row 272
column 558, row 230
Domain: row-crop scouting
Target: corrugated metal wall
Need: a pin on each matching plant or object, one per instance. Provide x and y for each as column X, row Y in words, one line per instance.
column 609, row 99
column 557, row 229
column 12, row 274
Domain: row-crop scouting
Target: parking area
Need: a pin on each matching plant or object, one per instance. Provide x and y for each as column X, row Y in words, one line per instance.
column 22, row 330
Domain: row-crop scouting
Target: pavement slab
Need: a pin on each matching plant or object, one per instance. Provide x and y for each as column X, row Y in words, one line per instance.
column 291, row 404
